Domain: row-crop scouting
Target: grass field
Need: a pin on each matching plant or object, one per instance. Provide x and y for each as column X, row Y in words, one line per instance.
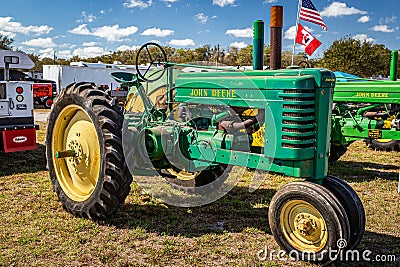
column 36, row 231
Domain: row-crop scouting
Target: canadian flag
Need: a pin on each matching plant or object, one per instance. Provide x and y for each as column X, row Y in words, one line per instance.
column 305, row 38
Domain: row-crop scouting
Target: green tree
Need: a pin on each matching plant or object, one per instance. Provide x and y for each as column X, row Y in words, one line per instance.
column 245, row 56
column 5, row 42
column 38, row 63
column 299, row 57
column 203, row 53
column 360, row 58
column 230, row 58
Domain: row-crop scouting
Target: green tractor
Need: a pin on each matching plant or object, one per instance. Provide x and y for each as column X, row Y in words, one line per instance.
column 182, row 129
column 366, row 109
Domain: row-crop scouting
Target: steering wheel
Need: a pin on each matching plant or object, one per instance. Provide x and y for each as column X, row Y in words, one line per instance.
column 154, row 55
column 304, row 64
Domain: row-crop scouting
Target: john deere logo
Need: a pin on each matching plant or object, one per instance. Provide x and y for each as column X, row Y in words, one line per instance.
column 20, row 139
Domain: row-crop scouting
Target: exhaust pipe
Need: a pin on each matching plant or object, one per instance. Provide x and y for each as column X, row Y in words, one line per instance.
column 276, row 25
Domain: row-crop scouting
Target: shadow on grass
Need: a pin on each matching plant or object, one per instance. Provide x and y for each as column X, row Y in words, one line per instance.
column 385, row 251
column 23, row 162
column 363, row 171
column 237, row 211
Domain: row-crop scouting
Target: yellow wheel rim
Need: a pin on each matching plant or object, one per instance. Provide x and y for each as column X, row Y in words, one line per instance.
column 303, row 226
column 77, row 175
column 183, row 175
column 383, row 140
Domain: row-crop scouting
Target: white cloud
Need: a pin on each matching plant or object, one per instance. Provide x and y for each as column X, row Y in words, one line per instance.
column 87, row 17
column 388, row 20
column 269, row 1
column 81, row 30
column 90, row 44
column 382, row 28
column 203, row 18
column 102, row 12
column 112, row 33
column 127, row 47
column 155, row 41
column 15, row 27
column 48, row 52
column 138, row 3
column 40, row 42
column 363, row 37
column 8, row 34
column 364, row 19
column 239, row 45
column 65, row 54
column 337, row 9
column 205, row 31
column 92, row 51
column 223, row 3
column 244, row 33
column 291, row 32
column 182, row 42
column 168, row 2
column 67, row 45
column 157, row 32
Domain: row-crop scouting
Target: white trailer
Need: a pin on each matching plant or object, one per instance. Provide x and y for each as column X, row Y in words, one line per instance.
column 98, row 73
column 17, row 128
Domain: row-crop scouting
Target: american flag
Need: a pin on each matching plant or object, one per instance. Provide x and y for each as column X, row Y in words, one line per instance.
column 309, row 13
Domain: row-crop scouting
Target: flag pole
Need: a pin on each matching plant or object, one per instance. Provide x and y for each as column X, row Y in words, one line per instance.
column 297, row 28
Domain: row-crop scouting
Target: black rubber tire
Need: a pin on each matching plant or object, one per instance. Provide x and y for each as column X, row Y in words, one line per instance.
column 352, row 205
column 48, row 102
column 393, row 145
column 114, row 179
column 336, row 152
column 327, row 205
column 206, row 181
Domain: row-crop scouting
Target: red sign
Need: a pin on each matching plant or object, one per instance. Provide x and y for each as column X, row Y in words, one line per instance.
column 19, row 140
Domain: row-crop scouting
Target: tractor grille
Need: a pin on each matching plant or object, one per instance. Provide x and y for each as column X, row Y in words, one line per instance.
column 298, row 118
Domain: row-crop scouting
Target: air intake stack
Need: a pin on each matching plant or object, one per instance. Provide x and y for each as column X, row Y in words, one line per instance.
column 258, row 45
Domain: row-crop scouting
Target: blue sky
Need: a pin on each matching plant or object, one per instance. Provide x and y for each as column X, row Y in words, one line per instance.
column 88, row 28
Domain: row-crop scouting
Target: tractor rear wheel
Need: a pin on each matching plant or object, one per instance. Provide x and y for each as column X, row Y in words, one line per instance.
column 383, row 144
column 307, row 221
column 84, row 152
column 351, row 204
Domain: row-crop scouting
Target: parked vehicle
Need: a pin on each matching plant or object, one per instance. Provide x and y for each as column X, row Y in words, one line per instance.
column 17, row 128
column 191, row 128
column 44, row 91
column 366, row 109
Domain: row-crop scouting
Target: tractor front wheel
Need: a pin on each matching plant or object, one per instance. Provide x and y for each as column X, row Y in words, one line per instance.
column 352, row 205
column 84, row 152
column 308, row 221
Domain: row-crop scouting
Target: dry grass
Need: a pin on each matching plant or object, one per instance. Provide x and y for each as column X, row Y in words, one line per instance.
column 35, row 231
